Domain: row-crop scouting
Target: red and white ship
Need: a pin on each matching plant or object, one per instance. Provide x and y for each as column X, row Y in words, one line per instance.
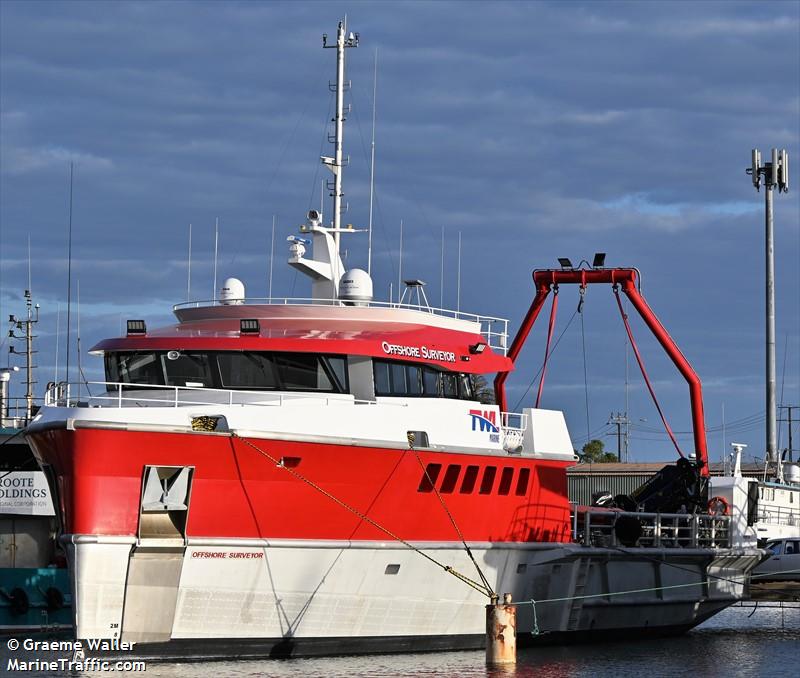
column 297, row 477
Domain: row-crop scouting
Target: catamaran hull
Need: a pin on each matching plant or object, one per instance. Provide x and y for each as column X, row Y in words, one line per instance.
column 255, row 598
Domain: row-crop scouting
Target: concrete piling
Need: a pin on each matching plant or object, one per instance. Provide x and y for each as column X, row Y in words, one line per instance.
column 501, row 631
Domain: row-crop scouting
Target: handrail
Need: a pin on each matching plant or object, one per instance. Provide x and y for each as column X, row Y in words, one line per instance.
column 60, row 395
column 497, row 339
column 594, row 526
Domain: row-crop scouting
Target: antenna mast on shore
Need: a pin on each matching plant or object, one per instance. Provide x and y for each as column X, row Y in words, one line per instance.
column 26, row 326
column 774, row 174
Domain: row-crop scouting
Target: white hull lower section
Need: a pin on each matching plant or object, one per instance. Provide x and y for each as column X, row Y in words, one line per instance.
column 295, row 592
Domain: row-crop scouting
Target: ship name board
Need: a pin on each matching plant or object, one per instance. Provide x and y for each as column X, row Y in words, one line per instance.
column 418, row 352
column 228, row 555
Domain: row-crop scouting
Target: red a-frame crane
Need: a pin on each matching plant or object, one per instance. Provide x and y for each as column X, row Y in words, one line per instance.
column 626, row 278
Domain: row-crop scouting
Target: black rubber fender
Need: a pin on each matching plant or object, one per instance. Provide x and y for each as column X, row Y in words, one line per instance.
column 19, row 601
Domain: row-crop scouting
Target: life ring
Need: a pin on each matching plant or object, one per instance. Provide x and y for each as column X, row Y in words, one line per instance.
column 718, row 506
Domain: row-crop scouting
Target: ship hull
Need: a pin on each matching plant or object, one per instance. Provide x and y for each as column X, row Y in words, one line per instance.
column 278, row 599
column 272, row 547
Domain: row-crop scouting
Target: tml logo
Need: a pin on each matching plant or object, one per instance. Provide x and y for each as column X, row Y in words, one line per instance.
column 485, row 419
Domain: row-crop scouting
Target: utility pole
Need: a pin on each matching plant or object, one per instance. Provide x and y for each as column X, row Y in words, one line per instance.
column 26, row 327
column 789, row 421
column 619, row 419
column 774, row 174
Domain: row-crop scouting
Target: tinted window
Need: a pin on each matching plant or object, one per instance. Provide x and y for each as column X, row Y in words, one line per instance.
column 188, row 369
column 464, row 387
column 429, row 476
column 488, row 480
column 395, row 378
column 397, row 372
column 414, row 379
column 224, row 369
column 470, row 476
column 382, row 384
column 505, row 480
column 134, row 368
column 431, row 382
column 522, row 482
column 338, row 368
column 449, row 385
column 302, row 372
column 450, row 479
column 247, row 370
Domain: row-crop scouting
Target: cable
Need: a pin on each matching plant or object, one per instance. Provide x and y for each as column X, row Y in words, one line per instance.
column 469, row 582
column 552, row 351
column 644, row 372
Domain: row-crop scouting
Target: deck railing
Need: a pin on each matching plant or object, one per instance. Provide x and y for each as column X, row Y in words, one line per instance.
column 779, row 515
column 115, row 394
column 495, row 330
column 610, row 528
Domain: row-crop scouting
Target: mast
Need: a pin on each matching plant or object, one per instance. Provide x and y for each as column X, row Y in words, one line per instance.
column 26, row 326
column 372, row 166
column 335, row 164
column 325, row 267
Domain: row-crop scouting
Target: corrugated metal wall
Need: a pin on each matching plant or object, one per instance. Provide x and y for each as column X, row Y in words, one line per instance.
column 582, row 486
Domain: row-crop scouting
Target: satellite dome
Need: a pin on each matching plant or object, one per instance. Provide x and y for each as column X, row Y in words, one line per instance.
column 232, row 292
column 356, row 287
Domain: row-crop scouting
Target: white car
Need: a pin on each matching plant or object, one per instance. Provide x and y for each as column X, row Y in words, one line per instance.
column 783, row 564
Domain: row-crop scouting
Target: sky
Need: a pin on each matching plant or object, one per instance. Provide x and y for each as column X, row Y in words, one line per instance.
column 534, row 130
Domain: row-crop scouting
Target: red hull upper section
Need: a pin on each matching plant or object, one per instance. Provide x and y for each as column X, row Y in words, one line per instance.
column 239, row 493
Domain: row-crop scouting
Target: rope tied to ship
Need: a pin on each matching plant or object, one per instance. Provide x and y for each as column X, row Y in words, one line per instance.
column 481, row 588
column 486, row 584
column 535, row 630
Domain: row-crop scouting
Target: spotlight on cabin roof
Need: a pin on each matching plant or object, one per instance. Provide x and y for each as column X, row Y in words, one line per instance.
column 249, row 326
column 136, row 327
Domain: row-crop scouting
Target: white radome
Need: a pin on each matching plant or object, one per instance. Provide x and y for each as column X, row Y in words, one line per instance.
column 355, row 286
column 232, row 292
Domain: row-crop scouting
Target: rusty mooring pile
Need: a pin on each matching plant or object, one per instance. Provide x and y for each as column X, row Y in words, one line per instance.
column 501, row 631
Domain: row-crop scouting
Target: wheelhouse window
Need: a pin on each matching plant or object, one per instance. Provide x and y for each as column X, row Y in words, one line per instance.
column 396, row 378
column 187, row 369
column 247, row 370
column 239, row 370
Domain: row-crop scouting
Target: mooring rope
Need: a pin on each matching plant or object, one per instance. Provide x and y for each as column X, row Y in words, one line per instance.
column 489, row 590
column 739, row 580
column 447, row 568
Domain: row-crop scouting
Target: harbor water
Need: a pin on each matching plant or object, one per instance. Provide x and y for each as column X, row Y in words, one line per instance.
column 737, row 642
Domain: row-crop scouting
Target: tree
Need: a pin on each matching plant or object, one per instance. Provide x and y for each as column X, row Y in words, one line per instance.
column 594, row 453
column 482, row 390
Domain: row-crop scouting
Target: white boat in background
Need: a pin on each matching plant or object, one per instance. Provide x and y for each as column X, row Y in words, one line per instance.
column 771, row 506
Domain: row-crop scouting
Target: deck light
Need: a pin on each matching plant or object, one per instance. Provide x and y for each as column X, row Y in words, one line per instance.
column 136, row 327
column 249, row 326
column 565, row 263
column 599, row 260
column 477, row 349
